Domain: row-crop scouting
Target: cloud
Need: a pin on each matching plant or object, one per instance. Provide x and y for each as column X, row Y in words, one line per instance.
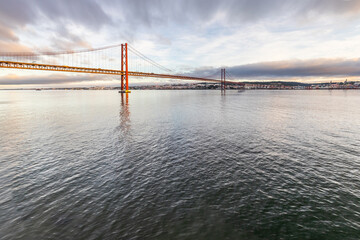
column 17, row 13
column 325, row 68
column 159, row 12
column 13, row 47
column 66, row 39
column 7, row 34
column 87, row 13
column 17, row 16
column 133, row 17
column 348, row 7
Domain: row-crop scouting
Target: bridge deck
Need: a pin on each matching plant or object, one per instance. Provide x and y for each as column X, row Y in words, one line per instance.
column 48, row 67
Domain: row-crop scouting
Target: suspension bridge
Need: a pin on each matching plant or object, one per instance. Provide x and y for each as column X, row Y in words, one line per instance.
column 122, row 60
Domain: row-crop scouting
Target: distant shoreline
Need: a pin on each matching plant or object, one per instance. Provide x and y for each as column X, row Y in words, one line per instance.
column 275, row 85
column 250, row 89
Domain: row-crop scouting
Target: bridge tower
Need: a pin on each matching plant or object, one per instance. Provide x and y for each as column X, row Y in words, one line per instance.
column 124, row 69
column 223, row 80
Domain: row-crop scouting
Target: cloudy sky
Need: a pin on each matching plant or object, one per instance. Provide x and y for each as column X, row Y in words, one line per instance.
column 307, row 40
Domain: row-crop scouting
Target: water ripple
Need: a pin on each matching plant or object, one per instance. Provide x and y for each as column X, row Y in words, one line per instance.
column 180, row 165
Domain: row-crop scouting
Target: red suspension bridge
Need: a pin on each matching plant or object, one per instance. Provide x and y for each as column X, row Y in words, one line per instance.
column 104, row 60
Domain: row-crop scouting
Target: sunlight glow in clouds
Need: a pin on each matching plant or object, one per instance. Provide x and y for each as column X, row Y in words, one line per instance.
column 309, row 40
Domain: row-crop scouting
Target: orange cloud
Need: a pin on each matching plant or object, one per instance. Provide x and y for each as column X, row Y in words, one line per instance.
column 13, row 47
column 7, row 34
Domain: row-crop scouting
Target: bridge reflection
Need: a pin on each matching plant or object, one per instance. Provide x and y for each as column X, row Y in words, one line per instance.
column 125, row 113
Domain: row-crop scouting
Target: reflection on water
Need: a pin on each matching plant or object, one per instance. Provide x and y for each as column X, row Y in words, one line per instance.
column 125, row 113
column 179, row 165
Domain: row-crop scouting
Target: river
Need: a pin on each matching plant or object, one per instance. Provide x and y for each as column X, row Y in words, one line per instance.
column 180, row 165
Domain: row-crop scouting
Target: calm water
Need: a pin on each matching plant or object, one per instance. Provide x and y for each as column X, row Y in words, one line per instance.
column 180, row 165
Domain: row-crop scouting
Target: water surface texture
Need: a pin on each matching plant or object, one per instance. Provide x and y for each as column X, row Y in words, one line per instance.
column 180, row 165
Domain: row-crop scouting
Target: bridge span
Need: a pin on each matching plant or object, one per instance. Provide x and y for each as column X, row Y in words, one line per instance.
column 26, row 61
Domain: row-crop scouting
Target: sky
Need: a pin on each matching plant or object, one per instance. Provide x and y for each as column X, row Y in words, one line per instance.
column 255, row 40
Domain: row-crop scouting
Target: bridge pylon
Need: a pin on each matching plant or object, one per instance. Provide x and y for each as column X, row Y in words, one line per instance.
column 223, row 80
column 124, row 69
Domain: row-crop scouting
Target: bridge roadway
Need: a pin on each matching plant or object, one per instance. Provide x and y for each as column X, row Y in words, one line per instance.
column 48, row 67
